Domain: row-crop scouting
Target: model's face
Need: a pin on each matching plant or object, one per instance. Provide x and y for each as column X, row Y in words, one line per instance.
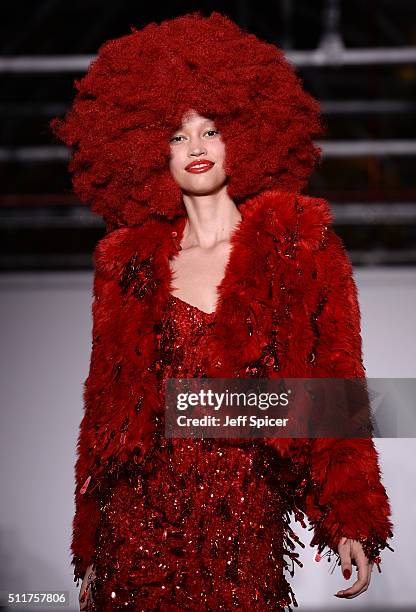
column 197, row 155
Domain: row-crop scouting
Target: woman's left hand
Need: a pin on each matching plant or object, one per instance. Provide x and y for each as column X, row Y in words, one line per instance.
column 352, row 550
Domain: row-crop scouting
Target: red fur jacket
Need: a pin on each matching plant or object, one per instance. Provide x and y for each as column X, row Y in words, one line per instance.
column 287, row 268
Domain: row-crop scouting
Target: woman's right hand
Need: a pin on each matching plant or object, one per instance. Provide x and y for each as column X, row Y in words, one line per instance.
column 85, row 597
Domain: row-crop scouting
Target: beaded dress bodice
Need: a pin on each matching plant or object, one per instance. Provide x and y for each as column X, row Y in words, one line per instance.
column 185, row 332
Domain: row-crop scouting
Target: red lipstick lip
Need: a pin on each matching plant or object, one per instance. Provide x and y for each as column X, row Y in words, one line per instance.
column 197, row 167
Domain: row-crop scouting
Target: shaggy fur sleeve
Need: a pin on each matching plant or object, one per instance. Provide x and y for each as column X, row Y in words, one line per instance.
column 86, row 505
column 86, row 518
column 347, row 497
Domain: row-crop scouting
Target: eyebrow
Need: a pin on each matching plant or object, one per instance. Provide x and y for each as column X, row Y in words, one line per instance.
column 207, row 121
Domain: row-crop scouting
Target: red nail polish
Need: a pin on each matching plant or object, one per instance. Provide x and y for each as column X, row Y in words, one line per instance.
column 347, row 574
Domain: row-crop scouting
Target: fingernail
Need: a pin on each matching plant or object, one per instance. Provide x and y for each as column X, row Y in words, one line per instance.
column 347, row 574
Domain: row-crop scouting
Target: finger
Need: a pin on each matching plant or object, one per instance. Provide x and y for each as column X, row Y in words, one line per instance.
column 356, row 589
column 344, row 550
column 86, row 596
column 371, row 565
column 364, row 570
column 343, row 541
column 91, row 595
column 361, row 584
column 83, row 597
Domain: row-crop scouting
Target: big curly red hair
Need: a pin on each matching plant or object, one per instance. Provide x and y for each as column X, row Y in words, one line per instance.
column 137, row 89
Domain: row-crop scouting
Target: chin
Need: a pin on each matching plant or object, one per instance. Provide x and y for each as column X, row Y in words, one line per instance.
column 209, row 188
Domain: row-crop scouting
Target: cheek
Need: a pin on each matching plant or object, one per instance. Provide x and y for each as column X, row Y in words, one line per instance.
column 175, row 162
column 219, row 151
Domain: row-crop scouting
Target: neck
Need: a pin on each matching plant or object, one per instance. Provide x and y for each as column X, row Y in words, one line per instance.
column 211, row 219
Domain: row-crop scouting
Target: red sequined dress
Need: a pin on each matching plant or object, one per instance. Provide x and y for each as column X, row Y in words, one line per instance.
column 202, row 524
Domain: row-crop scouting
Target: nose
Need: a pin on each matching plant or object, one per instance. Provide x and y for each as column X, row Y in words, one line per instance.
column 196, row 148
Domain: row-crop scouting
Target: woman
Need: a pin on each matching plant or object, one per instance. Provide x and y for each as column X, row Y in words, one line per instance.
column 193, row 139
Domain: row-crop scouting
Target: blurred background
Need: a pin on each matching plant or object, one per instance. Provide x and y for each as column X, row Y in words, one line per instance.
column 358, row 57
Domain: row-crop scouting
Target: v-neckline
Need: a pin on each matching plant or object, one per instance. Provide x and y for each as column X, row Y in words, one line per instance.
column 204, row 312
column 219, row 288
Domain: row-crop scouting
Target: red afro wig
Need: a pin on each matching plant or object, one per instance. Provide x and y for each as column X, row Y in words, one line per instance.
column 133, row 98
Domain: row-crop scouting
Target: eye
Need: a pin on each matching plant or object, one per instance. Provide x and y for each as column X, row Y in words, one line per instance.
column 176, row 138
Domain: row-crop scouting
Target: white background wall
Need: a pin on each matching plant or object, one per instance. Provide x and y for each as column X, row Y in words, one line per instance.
column 46, row 339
